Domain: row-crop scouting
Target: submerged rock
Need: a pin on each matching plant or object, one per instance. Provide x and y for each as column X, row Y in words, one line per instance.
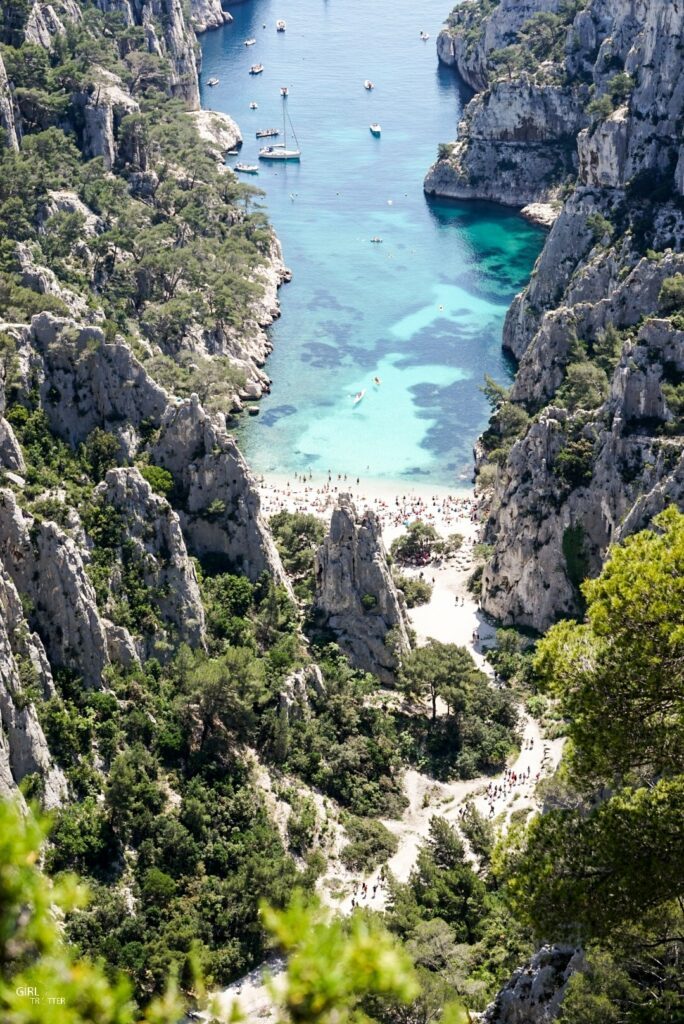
column 355, row 595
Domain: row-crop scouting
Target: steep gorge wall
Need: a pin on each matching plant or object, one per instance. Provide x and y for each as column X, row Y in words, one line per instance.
column 595, row 462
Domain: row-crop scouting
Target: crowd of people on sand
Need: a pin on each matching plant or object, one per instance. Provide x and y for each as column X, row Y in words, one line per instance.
column 305, row 496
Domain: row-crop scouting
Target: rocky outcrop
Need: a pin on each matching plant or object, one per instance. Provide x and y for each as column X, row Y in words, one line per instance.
column 355, row 595
column 103, row 107
column 7, row 119
column 294, row 694
column 87, row 382
column 221, row 515
column 218, row 130
column 535, row 992
column 155, row 546
column 517, row 139
column 553, row 519
column 469, row 36
column 206, row 14
column 46, row 565
column 516, row 142
column 45, row 21
column 23, row 747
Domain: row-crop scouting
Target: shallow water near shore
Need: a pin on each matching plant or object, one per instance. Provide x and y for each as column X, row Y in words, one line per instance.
column 423, row 310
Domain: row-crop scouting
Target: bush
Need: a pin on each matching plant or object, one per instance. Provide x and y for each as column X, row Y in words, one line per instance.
column 160, row 480
column 671, row 296
column 585, row 386
column 416, row 591
column 370, row 844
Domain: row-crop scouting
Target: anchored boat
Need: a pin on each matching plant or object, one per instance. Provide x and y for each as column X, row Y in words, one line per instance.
column 212, row 81
column 247, row 168
column 368, row 84
column 267, row 133
column 256, row 69
column 280, row 150
column 375, row 130
column 280, row 25
column 250, row 42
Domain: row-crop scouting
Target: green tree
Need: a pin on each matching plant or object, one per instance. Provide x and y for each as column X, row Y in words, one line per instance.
column 440, row 670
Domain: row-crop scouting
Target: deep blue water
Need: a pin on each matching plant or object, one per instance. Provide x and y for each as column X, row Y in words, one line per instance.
column 424, row 309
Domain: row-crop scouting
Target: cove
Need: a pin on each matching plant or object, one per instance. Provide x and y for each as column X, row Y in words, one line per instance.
column 423, row 310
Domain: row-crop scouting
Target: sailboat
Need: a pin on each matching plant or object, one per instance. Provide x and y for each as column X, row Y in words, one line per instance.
column 280, row 151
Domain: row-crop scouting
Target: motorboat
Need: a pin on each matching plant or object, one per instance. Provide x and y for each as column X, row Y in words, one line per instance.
column 280, row 25
column 253, row 105
column 247, row 168
column 250, row 42
column 359, row 396
column 267, row 133
column 284, row 90
column 256, row 69
column 425, row 36
column 280, row 150
column 376, row 239
column 232, row 152
column 375, row 130
column 368, row 84
column 212, row 81
column 377, row 381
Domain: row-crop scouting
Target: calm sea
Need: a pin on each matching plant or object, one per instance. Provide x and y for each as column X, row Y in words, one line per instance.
column 423, row 310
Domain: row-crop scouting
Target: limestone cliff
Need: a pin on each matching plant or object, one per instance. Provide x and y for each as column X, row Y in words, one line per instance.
column 355, row 595
column 7, row 116
column 205, row 14
column 600, row 352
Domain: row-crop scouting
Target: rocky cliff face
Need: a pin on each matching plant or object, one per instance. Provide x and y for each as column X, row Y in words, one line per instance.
column 535, row 992
column 205, row 14
column 355, row 595
column 597, row 458
column 7, row 118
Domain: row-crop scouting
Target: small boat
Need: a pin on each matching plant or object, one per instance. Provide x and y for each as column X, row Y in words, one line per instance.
column 250, row 42
column 280, row 25
column 232, row 152
column 358, row 396
column 253, row 105
column 425, row 36
column 376, row 239
column 267, row 133
column 247, row 168
column 375, row 130
column 368, row 84
column 212, row 81
column 377, row 381
column 284, row 90
column 256, row 69
column 280, row 150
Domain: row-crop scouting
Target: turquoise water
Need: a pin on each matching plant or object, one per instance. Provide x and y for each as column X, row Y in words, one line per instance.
column 424, row 309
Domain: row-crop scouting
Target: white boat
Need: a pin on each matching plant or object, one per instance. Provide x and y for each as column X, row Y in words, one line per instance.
column 256, row 69
column 280, row 150
column 368, row 84
column 280, row 25
column 284, row 90
column 250, row 42
column 358, row 396
column 267, row 133
column 253, row 105
column 247, row 168
column 232, row 152
column 425, row 36
column 375, row 130
column 376, row 239
column 212, row 81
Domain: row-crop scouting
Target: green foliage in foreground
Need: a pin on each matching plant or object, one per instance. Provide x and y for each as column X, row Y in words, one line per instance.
column 606, row 866
column 332, row 964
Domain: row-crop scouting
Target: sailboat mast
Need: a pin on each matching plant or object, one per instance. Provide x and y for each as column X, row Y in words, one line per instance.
column 284, row 124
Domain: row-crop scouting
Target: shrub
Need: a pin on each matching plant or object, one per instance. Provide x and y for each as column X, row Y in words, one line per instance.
column 160, row 480
column 671, row 296
column 416, row 545
column 370, row 844
column 415, row 591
